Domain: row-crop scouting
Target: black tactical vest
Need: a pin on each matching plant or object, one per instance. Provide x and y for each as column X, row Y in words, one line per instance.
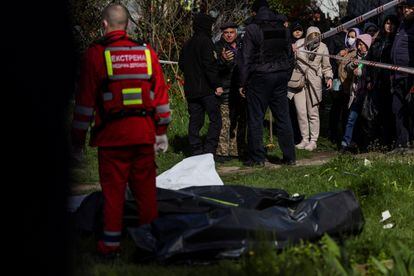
column 275, row 42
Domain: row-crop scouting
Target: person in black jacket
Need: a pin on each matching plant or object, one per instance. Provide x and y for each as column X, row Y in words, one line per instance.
column 380, row 119
column 202, row 86
column 232, row 106
column 402, row 54
column 266, row 67
column 338, row 113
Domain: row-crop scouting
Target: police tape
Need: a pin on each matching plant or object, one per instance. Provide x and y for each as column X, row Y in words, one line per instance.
column 354, row 21
column 408, row 70
column 168, row 62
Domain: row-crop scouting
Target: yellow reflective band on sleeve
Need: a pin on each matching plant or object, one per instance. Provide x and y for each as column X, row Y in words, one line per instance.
column 132, row 96
column 108, row 63
column 149, row 61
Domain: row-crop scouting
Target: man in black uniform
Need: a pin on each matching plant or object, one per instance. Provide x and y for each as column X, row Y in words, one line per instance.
column 266, row 67
column 202, row 85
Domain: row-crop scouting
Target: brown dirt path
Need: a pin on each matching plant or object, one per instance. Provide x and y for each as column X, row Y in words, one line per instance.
column 318, row 158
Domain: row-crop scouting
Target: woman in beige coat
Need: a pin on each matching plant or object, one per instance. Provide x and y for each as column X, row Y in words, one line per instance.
column 314, row 68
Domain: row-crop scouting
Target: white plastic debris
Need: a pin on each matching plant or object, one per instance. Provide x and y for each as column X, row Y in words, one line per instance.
column 385, row 215
column 367, row 163
column 388, row 226
column 295, row 195
column 197, row 170
column 330, row 178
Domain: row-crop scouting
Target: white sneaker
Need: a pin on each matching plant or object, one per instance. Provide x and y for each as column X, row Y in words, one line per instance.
column 311, row 146
column 302, row 144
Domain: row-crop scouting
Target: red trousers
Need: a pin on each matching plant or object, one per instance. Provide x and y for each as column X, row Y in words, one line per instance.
column 119, row 166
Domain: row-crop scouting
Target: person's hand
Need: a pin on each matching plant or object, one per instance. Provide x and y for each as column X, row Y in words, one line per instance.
column 329, row 84
column 161, row 143
column 227, row 55
column 356, row 62
column 343, row 52
column 219, row 91
column 242, row 92
column 294, row 48
column 356, row 72
column 77, row 154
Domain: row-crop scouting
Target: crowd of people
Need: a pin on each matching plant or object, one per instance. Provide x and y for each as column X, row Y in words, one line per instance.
column 370, row 107
column 123, row 98
column 281, row 64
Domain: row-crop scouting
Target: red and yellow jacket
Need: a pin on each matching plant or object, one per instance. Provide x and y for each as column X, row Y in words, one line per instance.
column 120, row 76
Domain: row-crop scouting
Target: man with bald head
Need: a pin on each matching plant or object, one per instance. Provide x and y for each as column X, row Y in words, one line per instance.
column 123, row 94
column 115, row 17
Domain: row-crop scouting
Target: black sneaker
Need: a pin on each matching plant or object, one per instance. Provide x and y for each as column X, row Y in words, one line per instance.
column 288, row 162
column 252, row 163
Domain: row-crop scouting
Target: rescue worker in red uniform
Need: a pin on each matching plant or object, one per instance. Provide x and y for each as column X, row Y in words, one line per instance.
column 123, row 95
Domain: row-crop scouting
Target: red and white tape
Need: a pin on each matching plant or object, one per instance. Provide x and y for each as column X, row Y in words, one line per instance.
column 355, row 21
column 403, row 69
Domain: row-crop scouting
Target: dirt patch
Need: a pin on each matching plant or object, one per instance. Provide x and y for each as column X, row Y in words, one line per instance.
column 318, row 158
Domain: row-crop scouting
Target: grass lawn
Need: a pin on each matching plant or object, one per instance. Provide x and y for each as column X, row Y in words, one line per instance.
column 386, row 184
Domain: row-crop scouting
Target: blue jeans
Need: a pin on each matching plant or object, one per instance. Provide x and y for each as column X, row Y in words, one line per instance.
column 354, row 112
column 349, row 129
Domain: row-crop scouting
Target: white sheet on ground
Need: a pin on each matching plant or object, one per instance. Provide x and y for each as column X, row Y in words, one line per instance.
column 197, row 170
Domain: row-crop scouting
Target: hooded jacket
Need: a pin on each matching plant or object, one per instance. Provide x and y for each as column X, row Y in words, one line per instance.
column 315, row 67
column 360, row 80
column 198, row 60
column 250, row 58
column 346, row 79
column 353, row 46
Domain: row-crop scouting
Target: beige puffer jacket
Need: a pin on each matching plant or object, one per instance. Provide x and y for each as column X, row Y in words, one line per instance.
column 314, row 69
